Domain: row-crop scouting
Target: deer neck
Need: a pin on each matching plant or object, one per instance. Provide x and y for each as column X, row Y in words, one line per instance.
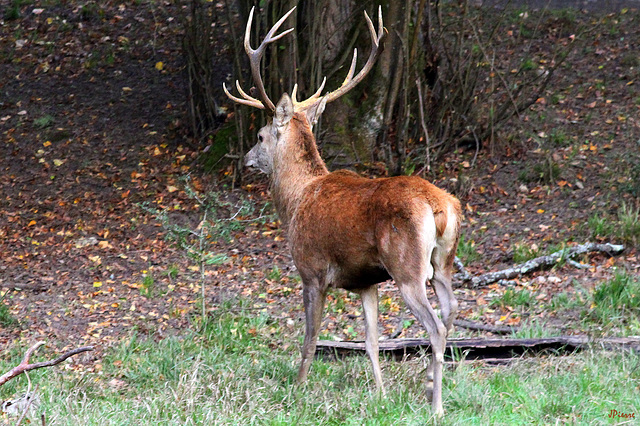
column 296, row 165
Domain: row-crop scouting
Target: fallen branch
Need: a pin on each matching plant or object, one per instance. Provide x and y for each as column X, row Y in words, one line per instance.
column 463, row 275
column 540, row 262
column 496, row 329
column 25, row 366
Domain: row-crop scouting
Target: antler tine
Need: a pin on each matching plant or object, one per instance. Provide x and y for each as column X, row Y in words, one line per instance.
column 377, row 41
column 269, row 38
column 303, row 105
column 255, row 56
column 352, row 68
column 248, row 100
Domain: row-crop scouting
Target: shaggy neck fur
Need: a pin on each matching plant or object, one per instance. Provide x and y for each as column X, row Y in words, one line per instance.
column 296, row 164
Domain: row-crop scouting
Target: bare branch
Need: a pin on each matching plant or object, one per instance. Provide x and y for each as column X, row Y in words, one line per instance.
column 24, row 366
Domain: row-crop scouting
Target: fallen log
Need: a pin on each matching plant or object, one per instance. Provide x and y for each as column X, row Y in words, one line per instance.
column 482, row 348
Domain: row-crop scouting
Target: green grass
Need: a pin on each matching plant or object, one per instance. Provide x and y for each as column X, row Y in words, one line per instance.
column 558, row 138
column 570, row 300
column 467, row 251
column 515, row 298
column 147, row 288
column 44, row 121
column 524, row 251
column 616, row 302
column 275, row 274
column 534, row 329
column 240, row 368
column 6, row 319
column 624, row 227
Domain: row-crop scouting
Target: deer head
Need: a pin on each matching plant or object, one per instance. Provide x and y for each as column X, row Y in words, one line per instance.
column 307, row 111
column 270, row 137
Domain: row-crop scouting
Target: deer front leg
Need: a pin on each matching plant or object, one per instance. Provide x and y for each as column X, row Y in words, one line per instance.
column 313, row 298
column 370, row 307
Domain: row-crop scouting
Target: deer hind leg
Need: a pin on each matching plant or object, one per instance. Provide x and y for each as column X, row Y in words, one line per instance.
column 415, row 296
column 441, row 283
column 370, row 306
column 407, row 257
column 313, row 297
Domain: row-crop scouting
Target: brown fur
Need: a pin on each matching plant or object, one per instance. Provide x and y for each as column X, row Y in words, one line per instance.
column 350, row 232
column 343, row 219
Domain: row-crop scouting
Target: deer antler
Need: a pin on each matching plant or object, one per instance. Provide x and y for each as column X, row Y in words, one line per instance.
column 377, row 41
column 255, row 56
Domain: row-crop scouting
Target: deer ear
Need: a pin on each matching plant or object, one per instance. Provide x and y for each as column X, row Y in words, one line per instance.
column 314, row 112
column 284, row 111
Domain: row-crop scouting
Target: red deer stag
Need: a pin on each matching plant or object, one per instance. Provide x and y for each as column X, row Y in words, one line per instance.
column 346, row 231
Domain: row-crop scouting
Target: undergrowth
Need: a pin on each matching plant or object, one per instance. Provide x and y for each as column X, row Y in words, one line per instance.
column 7, row 320
column 239, row 368
column 616, row 303
column 624, row 226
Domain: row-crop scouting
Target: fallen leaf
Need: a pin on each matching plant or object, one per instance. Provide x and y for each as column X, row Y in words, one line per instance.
column 104, row 245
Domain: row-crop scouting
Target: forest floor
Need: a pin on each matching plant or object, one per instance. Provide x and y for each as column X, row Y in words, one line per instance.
column 92, row 121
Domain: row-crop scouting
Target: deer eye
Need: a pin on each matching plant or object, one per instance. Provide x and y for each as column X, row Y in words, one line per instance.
column 260, row 138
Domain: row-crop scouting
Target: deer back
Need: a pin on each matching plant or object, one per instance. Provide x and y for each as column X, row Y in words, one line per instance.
column 345, row 223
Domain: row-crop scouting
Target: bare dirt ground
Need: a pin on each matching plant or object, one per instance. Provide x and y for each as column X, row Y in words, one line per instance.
column 92, row 121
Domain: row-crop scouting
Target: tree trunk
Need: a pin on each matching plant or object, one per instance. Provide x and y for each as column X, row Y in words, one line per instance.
column 391, row 66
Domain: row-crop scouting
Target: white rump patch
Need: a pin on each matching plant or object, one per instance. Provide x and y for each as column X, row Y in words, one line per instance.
column 449, row 234
column 429, row 236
